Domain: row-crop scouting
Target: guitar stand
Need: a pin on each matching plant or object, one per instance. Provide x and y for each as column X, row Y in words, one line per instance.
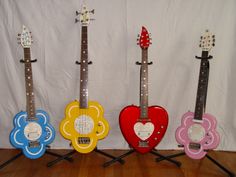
column 20, row 154
column 154, row 152
column 66, row 156
column 230, row 174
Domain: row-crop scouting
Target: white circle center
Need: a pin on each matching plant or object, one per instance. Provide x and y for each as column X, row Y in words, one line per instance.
column 84, row 124
column 33, row 131
column 196, row 133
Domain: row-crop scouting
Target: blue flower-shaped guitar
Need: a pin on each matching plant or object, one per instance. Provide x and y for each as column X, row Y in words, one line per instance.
column 32, row 131
column 32, row 136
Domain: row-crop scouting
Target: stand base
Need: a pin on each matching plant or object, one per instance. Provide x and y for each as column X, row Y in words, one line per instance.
column 230, row 174
column 154, row 152
column 66, row 156
column 20, row 154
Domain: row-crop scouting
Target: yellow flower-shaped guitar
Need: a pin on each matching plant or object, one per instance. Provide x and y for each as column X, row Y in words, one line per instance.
column 84, row 123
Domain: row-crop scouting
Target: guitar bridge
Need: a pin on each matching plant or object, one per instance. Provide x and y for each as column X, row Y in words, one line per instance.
column 194, row 146
column 143, row 144
column 83, row 140
column 33, row 144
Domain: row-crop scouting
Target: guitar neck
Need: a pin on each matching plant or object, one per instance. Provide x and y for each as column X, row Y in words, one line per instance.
column 202, row 87
column 84, row 68
column 144, row 85
column 30, row 105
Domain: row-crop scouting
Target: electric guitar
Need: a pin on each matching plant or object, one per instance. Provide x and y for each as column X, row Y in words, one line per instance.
column 143, row 127
column 32, row 131
column 197, row 132
column 84, row 123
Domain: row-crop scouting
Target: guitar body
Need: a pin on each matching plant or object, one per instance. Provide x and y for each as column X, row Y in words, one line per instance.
column 136, row 130
column 203, row 133
column 84, row 127
column 25, row 133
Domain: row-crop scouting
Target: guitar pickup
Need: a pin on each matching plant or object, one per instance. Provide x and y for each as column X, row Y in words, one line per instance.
column 143, row 144
column 33, row 144
column 83, row 140
column 195, row 146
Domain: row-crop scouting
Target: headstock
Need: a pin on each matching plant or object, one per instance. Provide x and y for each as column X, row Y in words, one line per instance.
column 84, row 16
column 144, row 39
column 25, row 38
column 207, row 41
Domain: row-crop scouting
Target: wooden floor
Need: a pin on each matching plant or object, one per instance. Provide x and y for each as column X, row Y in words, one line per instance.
column 136, row 165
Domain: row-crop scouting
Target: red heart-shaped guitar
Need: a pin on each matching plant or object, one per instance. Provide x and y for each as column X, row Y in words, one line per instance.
column 143, row 127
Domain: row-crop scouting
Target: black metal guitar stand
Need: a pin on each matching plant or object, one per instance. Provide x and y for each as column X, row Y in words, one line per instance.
column 20, row 154
column 154, row 152
column 230, row 174
column 67, row 155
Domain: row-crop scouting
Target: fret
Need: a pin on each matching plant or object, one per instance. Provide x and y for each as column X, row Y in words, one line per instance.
column 144, row 85
column 30, row 104
column 84, row 68
column 202, row 87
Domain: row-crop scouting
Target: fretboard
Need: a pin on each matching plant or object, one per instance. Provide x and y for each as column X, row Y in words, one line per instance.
column 202, row 87
column 144, row 85
column 30, row 106
column 84, row 68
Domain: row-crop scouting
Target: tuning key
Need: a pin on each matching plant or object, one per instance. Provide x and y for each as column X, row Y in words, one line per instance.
column 19, row 34
column 76, row 20
column 77, row 13
column 213, row 44
column 92, row 11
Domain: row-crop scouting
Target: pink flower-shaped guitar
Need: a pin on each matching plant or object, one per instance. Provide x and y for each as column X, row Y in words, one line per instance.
column 197, row 132
column 197, row 137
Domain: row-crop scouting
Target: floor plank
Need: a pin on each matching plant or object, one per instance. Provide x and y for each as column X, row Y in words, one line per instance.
column 136, row 165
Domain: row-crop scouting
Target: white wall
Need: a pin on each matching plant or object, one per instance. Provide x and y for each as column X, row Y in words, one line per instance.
column 176, row 26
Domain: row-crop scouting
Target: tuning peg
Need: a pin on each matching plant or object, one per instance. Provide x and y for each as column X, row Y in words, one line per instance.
column 92, row 11
column 213, row 44
column 138, row 43
column 150, row 43
column 76, row 20
column 18, row 34
column 213, row 36
column 137, row 39
column 201, row 37
column 200, row 45
column 77, row 13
